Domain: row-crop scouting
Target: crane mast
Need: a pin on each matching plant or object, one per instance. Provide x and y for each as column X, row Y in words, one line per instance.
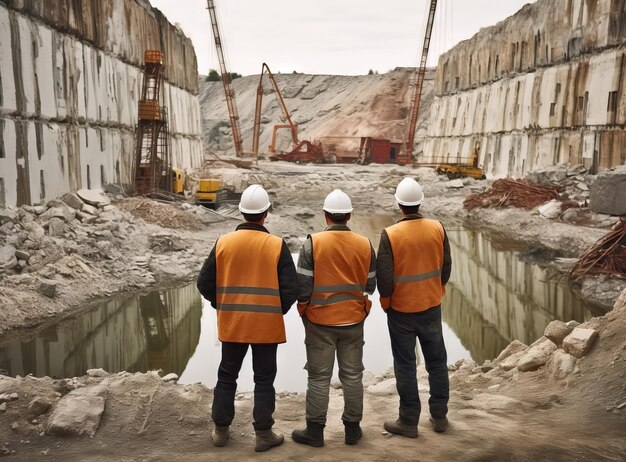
column 417, row 92
column 228, row 91
column 257, row 113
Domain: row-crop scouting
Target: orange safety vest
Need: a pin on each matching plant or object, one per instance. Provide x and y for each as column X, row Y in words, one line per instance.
column 248, row 296
column 341, row 264
column 417, row 247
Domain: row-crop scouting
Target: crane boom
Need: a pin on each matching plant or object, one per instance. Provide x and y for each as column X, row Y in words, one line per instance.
column 228, row 91
column 417, row 92
column 257, row 113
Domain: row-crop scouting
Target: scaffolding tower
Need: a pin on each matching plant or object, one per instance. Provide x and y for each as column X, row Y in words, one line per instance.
column 152, row 154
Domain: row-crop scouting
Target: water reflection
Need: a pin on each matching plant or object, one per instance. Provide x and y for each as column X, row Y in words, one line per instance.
column 492, row 299
column 159, row 330
column 495, row 297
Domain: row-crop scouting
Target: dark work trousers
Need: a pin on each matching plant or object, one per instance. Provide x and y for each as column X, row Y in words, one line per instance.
column 264, row 366
column 404, row 328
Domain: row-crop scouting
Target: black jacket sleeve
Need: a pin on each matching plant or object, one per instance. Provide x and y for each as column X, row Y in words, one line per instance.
column 287, row 279
column 446, row 269
column 207, row 279
column 384, row 266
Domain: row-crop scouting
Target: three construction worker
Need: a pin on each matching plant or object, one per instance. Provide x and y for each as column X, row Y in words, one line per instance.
column 413, row 267
column 250, row 278
column 336, row 269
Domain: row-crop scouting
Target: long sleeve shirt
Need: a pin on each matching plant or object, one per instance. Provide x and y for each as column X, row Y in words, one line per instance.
column 384, row 263
column 287, row 278
column 306, row 265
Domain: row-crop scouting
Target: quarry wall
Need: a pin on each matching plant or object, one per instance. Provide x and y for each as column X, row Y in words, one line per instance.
column 70, row 81
column 544, row 86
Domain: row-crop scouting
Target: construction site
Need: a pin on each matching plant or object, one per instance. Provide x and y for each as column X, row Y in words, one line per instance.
column 122, row 162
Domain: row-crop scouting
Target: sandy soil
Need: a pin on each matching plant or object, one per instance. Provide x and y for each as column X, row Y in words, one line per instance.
column 495, row 415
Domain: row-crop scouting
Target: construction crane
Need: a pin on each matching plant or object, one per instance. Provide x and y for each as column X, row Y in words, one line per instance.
column 228, row 91
column 406, row 154
column 257, row 115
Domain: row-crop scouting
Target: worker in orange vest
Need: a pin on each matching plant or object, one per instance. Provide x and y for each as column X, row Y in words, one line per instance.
column 413, row 267
column 250, row 278
column 336, row 268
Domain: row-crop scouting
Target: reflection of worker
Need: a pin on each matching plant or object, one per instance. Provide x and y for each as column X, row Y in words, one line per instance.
column 251, row 279
column 335, row 268
column 412, row 269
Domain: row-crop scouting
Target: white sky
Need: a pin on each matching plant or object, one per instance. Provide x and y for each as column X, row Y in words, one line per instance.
column 346, row 37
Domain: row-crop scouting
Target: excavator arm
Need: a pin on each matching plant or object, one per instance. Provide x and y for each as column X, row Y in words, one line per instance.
column 257, row 114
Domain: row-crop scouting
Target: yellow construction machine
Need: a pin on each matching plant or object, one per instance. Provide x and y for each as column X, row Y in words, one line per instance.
column 462, row 169
column 210, row 193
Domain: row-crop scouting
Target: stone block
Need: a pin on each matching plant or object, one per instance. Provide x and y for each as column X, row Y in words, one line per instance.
column 513, row 348
column 580, row 341
column 608, row 192
column 56, row 227
column 77, row 413
column 48, row 288
column 63, row 212
column 38, row 406
column 537, row 355
column 95, row 197
column 562, row 364
column 551, row 209
column 7, row 257
column 72, row 200
column 557, row 331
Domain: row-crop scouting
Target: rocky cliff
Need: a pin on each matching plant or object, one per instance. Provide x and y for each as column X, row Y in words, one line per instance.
column 70, row 80
column 322, row 106
column 542, row 87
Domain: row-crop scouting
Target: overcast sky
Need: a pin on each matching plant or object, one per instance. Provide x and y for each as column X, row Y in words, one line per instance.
column 329, row 36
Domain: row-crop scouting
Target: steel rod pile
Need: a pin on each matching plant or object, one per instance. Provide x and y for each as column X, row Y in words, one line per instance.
column 508, row 192
column 607, row 256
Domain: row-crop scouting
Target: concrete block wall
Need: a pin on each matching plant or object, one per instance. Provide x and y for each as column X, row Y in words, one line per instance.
column 545, row 86
column 70, row 82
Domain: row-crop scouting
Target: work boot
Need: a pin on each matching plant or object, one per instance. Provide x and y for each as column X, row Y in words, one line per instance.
column 397, row 427
column 353, row 432
column 267, row 439
column 440, row 425
column 220, row 436
column 313, row 434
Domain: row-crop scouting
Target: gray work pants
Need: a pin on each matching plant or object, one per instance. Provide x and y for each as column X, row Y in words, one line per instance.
column 321, row 344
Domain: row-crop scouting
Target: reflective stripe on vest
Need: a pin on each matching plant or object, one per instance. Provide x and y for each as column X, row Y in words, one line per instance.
column 341, row 264
column 417, row 247
column 248, row 295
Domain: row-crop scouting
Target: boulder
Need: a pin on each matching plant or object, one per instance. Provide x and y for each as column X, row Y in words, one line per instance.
column 551, row 209
column 7, row 215
column 77, row 413
column 38, row 406
column 562, row 364
column 97, row 372
column 90, row 209
column 7, row 257
column 95, row 197
column 513, row 348
column 557, row 331
column 170, row 377
column 63, row 212
column 537, row 355
column 608, row 192
column 35, row 231
column 455, row 184
column 384, row 388
column 72, row 200
column 56, row 227
column 22, row 255
column 580, row 341
column 48, row 288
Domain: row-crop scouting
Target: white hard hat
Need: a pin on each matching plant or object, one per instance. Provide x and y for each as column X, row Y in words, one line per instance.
column 254, row 200
column 409, row 192
column 337, row 202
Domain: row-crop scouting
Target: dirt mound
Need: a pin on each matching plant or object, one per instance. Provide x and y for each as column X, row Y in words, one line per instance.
column 165, row 215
